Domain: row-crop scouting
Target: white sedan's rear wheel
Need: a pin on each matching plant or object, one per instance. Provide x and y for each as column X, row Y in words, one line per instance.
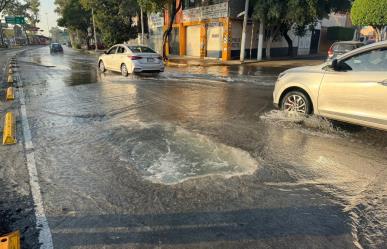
column 102, row 67
column 124, row 70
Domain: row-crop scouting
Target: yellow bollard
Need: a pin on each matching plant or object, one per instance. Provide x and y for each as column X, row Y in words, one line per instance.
column 10, row 78
column 10, row 241
column 9, row 129
column 10, row 94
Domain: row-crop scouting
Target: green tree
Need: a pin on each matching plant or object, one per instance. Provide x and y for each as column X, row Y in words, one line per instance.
column 370, row 13
column 33, row 7
column 114, row 19
column 171, row 7
column 3, row 4
column 304, row 13
column 76, row 18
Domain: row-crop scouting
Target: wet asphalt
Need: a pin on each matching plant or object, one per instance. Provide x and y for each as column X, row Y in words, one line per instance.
column 194, row 158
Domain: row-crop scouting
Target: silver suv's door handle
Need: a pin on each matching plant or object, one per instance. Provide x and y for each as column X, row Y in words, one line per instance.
column 384, row 82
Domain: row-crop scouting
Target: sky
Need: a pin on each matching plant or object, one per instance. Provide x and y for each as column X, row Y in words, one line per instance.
column 48, row 16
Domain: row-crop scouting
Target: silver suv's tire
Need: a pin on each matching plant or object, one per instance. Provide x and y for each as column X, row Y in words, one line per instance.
column 297, row 101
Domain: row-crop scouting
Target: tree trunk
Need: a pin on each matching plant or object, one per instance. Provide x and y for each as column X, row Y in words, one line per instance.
column 268, row 48
column 168, row 31
column 290, row 43
column 28, row 40
column 273, row 34
column 378, row 33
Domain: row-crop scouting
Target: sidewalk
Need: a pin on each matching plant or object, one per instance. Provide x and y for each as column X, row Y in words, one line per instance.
column 178, row 61
column 183, row 61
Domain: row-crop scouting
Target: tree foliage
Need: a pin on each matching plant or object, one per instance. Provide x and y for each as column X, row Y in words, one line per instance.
column 73, row 15
column 303, row 13
column 3, row 4
column 114, row 19
column 33, row 6
column 76, row 18
column 370, row 13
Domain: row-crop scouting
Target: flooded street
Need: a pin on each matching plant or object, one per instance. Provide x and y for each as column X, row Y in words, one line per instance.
column 195, row 158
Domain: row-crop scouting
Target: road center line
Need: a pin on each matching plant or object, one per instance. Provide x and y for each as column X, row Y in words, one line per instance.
column 45, row 238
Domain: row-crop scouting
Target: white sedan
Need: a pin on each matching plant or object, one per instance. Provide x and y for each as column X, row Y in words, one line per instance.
column 130, row 59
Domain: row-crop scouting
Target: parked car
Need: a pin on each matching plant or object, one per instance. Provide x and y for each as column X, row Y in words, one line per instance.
column 352, row 88
column 340, row 48
column 130, row 59
column 368, row 42
column 56, row 48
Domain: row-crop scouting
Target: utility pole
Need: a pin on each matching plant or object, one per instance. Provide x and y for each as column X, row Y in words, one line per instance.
column 48, row 27
column 260, row 39
column 243, row 41
column 142, row 27
column 94, row 31
column 1, row 33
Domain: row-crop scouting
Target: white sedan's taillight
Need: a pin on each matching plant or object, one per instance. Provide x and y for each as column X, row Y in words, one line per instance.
column 134, row 58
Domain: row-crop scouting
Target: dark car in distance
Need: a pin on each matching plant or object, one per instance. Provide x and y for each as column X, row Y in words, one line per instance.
column 56, row 48
column 342, row 47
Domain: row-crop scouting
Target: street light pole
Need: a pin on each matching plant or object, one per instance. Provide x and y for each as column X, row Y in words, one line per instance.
column 243, row 41
column 94, row 30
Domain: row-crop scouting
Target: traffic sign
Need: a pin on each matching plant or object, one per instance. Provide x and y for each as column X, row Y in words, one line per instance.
column 15, row 19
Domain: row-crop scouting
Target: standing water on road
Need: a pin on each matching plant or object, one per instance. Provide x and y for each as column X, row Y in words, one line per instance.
column 195, row 158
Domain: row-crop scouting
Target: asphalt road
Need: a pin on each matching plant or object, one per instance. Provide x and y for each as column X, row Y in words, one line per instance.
column 193, row 158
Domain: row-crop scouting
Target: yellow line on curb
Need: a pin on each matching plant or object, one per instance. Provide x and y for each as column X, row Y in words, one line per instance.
column 9, row 129
column 10, row 241
column 10, row 94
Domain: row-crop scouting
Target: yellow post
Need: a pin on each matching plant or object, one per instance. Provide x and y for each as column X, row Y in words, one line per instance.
column 9, row 129
column 10, row 241
column 227, row 39
column 10, row 78
column 10, row 94
column 182, row 40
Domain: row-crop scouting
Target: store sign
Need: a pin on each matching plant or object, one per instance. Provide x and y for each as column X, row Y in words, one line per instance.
column 206, row 12
column 155, row 21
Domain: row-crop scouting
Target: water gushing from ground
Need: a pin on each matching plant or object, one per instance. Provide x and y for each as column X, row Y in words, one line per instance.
column 169, row 155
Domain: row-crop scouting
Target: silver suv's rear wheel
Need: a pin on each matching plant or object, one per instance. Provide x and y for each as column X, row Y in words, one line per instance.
column 297, row 101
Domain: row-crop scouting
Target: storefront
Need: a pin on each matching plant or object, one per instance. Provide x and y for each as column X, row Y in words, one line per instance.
column 203, row 32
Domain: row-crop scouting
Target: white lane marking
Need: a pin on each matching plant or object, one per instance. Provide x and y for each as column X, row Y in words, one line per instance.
column 45, row 237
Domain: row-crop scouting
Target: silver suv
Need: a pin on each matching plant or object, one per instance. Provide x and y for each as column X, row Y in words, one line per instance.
column 352, row 88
